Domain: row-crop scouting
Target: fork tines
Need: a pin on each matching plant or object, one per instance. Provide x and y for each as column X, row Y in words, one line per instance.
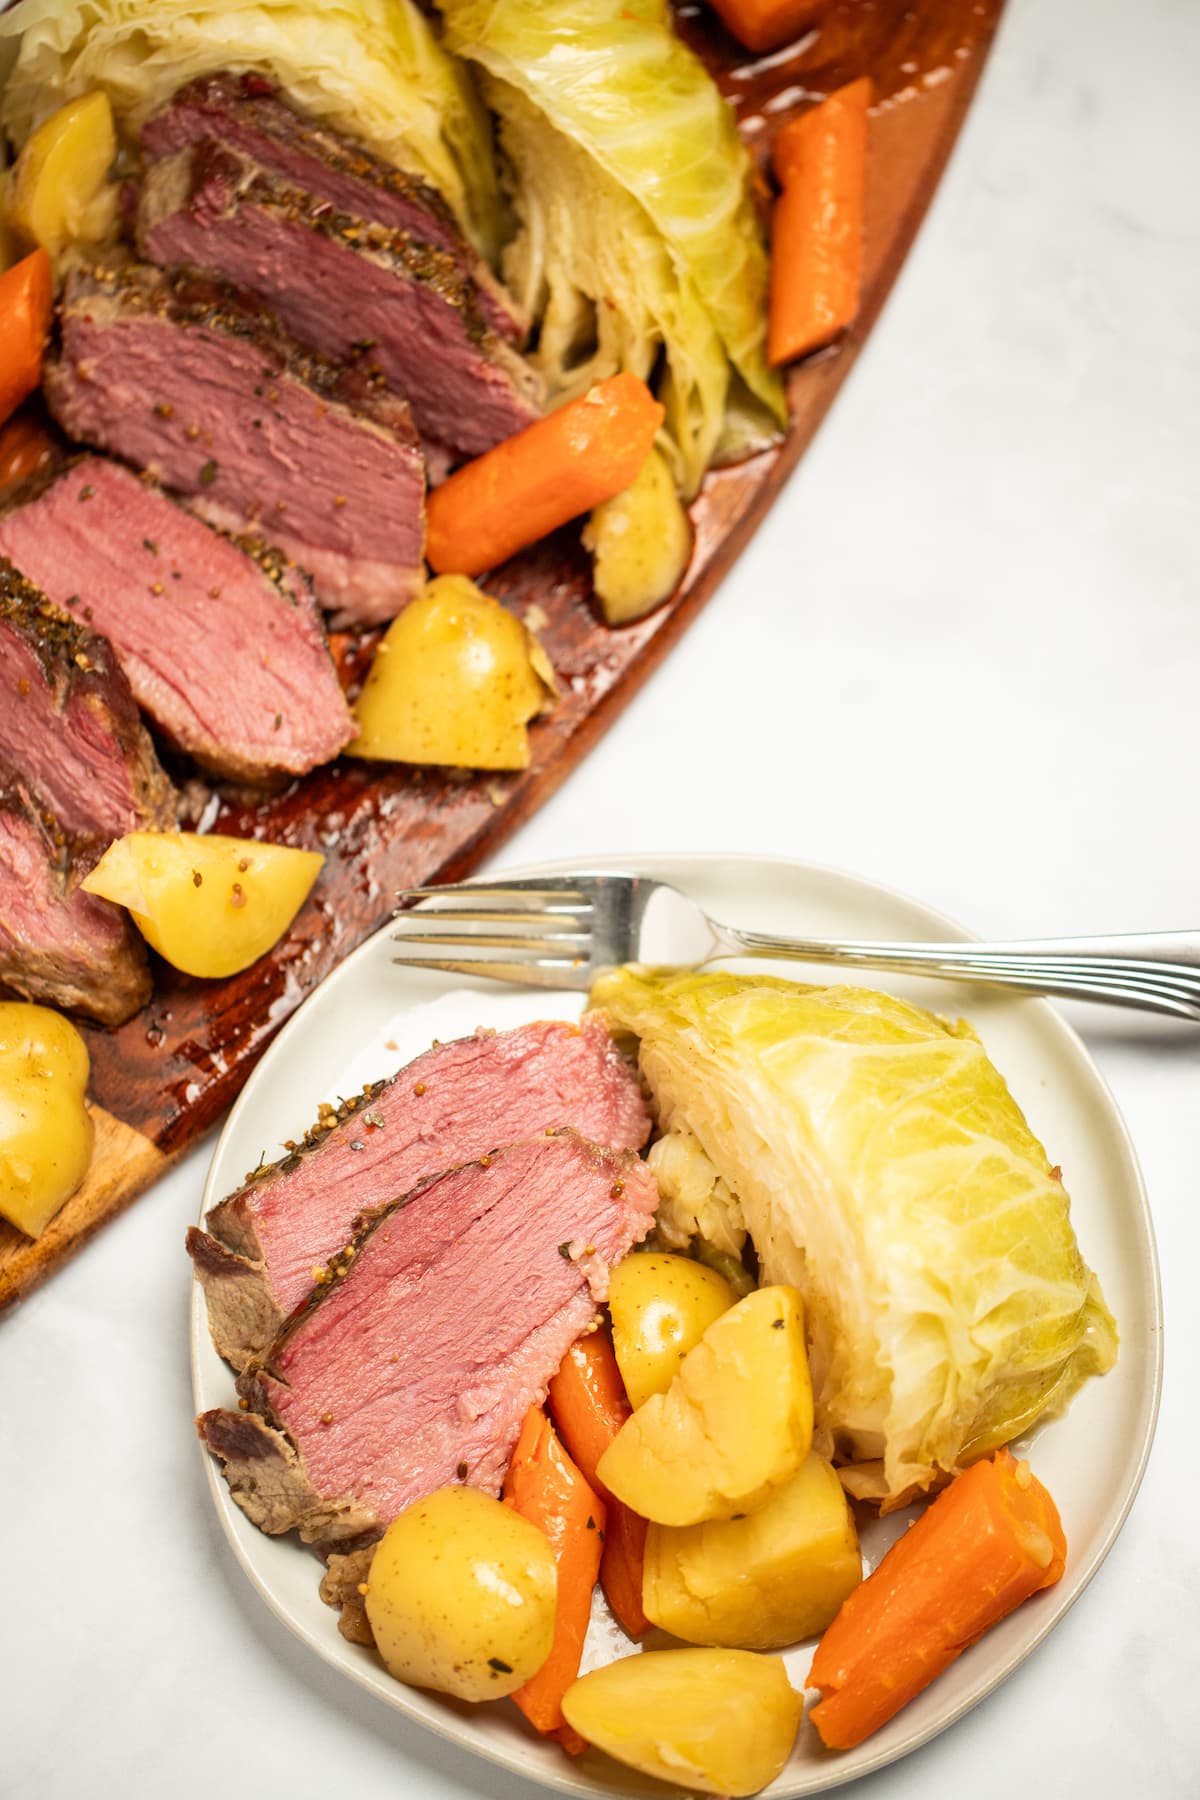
column 548, row 930
column 529, row 896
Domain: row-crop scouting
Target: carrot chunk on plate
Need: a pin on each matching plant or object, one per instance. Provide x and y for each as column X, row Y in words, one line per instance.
column 545, row 1487
column 988, row 1541
column 589, row 1403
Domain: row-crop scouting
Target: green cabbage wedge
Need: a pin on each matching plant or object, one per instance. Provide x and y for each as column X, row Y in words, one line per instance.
column 880, row 1165
column 373, row 69
column 638, row 234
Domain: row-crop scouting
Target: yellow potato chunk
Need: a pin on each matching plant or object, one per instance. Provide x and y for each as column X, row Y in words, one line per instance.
column 661, row 1306
column 734, row 1425
column 641, row 541
column 762, row 1581
column 723, row 1721
column 60, row 191
column 211, row 905
column 461, row 1596
column 455, row 681
column 45, row 1128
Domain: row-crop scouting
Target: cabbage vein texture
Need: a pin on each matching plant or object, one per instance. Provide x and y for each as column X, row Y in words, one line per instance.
column 633, row 191
column 881, row 1166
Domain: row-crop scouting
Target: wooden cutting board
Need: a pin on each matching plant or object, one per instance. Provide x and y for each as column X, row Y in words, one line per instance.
column 160, row 1082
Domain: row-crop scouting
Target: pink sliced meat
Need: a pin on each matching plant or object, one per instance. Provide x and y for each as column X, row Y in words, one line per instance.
column 221, row 641
column 68, row 719
column 198, row 383
column 246, row 113
column 455, row 1103
column 351, row 290
column 60, row 946
column 416, row 1359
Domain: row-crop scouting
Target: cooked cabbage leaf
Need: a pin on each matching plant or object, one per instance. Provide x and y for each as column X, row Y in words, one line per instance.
column 882, row 1166
column 638, row 230
column 373, row 69
column 693, row 1201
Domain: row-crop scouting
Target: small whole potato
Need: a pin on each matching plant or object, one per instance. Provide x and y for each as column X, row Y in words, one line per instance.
column 45, row 1128
column 661, row 1306
column 461, row 1596
column 211, row 905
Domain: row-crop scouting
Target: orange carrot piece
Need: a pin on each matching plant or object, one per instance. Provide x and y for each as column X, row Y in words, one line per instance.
column 25, row 447
column 560, row 466
column 987, row 1542
column 589, row 1403
column 545, row 1487
column 820, row 160
column 569, row 1738
column 622, row 1567
column 766, row 24
column 26, row 303
column 588, row 1399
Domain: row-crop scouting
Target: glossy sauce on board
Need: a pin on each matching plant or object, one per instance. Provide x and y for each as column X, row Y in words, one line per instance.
column 164, row 1079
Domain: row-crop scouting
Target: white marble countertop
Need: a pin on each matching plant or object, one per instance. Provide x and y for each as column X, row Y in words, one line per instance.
column 962, row 657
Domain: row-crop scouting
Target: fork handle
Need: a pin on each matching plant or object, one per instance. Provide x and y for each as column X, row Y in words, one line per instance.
column 1154, row 971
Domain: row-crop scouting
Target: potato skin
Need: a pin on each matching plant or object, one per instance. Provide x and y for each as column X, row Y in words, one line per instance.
column 661, row 1306
column 734, row 1425
column 641, row 543
column 454, row 682
column 761, row 1582
column 461, row 1596
column 46, row 1131
column 210, row 905
column 723, row 1721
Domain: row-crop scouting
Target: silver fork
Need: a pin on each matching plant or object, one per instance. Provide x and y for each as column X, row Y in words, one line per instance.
column 561, row 931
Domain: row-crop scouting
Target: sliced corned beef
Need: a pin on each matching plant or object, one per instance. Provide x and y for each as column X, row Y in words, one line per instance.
column 59, row 945
column 197, row 383
column 245, row 113
column 459, row 1100
column 345, row 287
column 222, row 645
column 415, row 1361
column 68, row 719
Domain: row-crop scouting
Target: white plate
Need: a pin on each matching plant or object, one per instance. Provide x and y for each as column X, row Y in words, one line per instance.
column 369, row 1017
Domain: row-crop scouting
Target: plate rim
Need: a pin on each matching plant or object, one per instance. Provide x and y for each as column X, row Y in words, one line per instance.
column 445, row 1726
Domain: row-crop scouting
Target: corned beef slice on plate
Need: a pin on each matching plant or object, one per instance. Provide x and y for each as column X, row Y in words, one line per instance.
column 455, row 1103
column 413, row 1365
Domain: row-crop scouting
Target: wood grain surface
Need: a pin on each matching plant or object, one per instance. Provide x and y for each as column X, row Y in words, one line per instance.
column 161, row 1081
